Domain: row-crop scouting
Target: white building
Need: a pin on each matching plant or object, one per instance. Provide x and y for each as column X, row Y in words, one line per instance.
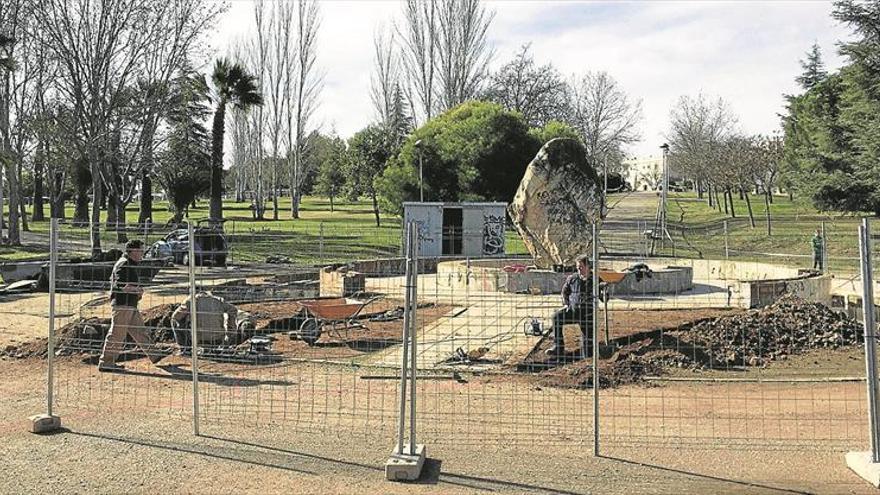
column 646, row 173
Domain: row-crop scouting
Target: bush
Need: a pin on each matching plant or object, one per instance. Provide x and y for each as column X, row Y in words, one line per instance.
column 475, row 151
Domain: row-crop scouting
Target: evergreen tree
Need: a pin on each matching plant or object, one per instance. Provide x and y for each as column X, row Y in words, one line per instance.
column 184, row 168
column 814, row 69
column 400, row 122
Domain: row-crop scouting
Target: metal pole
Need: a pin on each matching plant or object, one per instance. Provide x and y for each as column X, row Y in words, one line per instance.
column 604, row 186
column 193, row 322
column 595, row 275
column 405, row 351
column 726, row 242
column 870, row 335
column 413, row 340
column 824, row 250
column 664, row 194
column 50, row 352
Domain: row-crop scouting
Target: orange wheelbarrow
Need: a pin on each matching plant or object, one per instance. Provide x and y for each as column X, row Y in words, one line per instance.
column 333, row 312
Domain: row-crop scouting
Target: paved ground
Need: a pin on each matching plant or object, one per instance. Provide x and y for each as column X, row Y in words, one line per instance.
column 495, row 319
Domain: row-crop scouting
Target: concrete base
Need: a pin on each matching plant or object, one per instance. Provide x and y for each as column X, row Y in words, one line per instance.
column 44, row 423
column 405, row 467
column 860, row 462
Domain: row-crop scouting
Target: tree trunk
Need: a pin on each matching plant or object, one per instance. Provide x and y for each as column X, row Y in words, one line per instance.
column 709, row 196
column 699, row 189
column 274, row 187
column 56, row 208
column 14, row 235
column 112, row 211
column 97, row 193
column 146, row 208
column 767, row 213
column 21, row 205
column 375, row 207
column 146, row 204
column 217, row 130
column 38, row 213
column 331, row 203
column 749, row 205
column 120, row 222
column 724, row 197
column 24, row 220
column 295, row 200
column 730, row 198
column 81, row 209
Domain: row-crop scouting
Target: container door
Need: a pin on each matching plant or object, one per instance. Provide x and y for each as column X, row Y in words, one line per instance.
column 429, row 219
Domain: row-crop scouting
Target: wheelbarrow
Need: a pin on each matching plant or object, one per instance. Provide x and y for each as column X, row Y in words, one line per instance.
column 333, row 312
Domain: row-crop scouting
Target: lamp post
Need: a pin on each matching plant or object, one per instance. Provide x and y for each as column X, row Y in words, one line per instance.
column 664, row 193
column 604, row 211
column 418, row 145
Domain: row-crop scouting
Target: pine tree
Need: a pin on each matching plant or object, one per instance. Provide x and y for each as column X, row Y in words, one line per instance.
column 400, row 122
column 814, row 69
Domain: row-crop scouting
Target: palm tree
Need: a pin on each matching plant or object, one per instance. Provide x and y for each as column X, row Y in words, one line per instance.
column 233, row 85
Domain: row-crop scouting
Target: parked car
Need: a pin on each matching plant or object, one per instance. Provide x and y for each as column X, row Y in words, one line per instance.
column 211, row 248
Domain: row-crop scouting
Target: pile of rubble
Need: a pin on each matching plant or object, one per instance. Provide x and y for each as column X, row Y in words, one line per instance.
column 788, row 326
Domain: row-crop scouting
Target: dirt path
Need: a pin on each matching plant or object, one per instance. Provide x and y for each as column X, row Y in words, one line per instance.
column 114, row 446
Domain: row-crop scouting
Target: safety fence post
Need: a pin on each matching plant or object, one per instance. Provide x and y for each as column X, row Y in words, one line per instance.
column 407, row 460
column 595, row 325
column 193, row 321
column 44, row 423
column 867, row 464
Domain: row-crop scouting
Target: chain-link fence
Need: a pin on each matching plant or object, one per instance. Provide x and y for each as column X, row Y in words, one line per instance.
column 718, row 348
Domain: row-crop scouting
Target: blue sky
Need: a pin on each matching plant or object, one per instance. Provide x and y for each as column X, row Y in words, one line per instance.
column 746, row 52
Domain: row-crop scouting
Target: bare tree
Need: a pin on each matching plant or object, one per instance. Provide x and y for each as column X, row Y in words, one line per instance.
column 604, row 116
column 538, row 93
column 306, row 91
column 16, row 98
column 698, row 128
column 7, row 65
column 385, row 79
column 445, row 53
column 418, row 35
column 104, row 47
column 463, row 50
column 181, row 31
column 770, row 156
column 278, row 87
column 259, row 56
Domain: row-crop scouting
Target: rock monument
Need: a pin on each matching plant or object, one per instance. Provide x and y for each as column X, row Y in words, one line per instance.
column 558, row 200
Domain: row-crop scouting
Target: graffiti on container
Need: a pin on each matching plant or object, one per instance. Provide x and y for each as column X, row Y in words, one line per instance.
column 493, row 234
column 424, row 231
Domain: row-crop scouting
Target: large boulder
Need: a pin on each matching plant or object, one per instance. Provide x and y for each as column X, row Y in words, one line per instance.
column 558, row 200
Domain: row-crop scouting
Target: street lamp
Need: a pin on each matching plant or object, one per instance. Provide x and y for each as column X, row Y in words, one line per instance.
column 665, row 148
column 418, row 145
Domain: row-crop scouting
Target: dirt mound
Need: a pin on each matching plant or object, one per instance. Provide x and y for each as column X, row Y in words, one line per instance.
column 788, row 326
column 85, row 335
column 158, row 319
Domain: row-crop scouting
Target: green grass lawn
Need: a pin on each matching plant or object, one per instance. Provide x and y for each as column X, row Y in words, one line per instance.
column 319, row 235
column 350, row 232
column 792, row 225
